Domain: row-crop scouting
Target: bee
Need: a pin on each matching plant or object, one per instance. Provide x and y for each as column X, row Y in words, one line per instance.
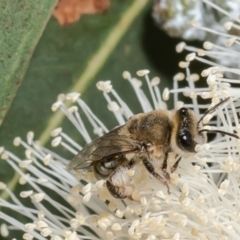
column 147, row 138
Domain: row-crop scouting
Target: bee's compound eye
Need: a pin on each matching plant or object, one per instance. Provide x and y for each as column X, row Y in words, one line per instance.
column 186, row 141
column 184, row 138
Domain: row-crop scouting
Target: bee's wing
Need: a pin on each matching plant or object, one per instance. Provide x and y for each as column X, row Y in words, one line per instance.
column 109, row 145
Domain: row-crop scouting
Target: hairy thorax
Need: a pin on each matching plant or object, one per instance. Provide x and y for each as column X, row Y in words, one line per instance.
column 152, row 129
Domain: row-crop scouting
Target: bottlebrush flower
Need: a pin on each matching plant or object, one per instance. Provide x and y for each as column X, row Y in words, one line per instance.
column 204, row 199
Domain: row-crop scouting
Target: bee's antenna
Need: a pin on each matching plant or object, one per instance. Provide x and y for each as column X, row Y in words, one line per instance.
column 220, row 131
column 215, row 131
column 210, row 111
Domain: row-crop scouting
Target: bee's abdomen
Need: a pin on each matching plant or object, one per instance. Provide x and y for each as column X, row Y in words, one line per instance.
column 103, row 169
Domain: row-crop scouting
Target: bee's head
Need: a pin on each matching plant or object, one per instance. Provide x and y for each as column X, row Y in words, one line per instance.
column 188, row 131
column 187, row 135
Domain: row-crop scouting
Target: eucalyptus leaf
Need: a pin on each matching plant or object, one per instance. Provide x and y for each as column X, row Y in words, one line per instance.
column 22, row 23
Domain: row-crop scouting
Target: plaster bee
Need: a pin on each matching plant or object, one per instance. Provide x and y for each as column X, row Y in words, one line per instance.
column 146, row 137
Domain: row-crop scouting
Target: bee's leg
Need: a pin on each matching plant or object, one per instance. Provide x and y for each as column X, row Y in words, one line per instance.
column 116, row 183
column 174, row 167
column 151, row 170
column 164, row 167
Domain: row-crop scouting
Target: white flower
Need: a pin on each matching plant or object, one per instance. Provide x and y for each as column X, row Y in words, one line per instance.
column 174, row 16
column 216, row 21
column 204, row 198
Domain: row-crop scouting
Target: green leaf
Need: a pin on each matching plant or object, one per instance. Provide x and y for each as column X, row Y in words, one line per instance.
column 22, row 23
